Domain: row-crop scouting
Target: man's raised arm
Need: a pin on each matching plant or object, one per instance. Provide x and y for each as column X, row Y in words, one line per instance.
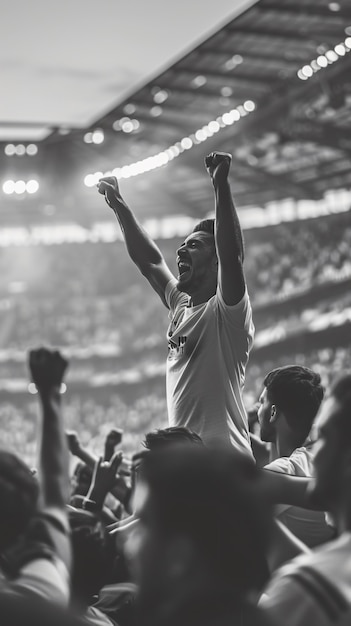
column 141, row 248
column 47, row 370
column 228, row 235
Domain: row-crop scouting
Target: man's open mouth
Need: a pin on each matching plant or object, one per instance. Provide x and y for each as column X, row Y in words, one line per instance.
column 184, row 269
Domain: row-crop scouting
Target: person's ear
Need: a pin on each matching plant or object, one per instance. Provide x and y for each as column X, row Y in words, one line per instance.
column 274, row 414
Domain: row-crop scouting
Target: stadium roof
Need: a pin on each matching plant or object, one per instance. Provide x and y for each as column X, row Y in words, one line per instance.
column 272, row 86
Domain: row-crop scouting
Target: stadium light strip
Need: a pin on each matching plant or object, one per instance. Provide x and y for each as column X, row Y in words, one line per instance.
column 187, row 143
column 227, row 119
column 321, row 62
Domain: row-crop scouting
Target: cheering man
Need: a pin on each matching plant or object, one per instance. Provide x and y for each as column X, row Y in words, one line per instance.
column 211, row 330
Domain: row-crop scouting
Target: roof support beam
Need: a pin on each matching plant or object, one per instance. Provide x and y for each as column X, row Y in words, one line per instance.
column 244, row 79
column 288, row 35
column 322, row 134
column 278, row 181
column 273, row 110
column 264, row 178
column 251, row 56
column 305, row 9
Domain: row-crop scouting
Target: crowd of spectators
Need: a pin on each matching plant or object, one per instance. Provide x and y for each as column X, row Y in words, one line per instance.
column 93, row 412
column 145, row 525
column 292, row 257
column 172, row 531
column 76, row 300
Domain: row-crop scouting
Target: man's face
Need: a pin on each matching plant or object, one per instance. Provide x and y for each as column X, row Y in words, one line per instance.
column 196, row 260
column 327, row 480
column 264, row 413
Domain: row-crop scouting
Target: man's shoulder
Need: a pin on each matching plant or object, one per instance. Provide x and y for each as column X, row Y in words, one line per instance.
column 309, row 589
column 320, row 567
column 299, row 463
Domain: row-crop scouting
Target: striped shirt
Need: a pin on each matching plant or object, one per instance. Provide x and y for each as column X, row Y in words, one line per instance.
column 313, row 589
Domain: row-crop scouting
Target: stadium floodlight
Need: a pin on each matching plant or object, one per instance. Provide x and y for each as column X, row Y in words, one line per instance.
column 9, row 187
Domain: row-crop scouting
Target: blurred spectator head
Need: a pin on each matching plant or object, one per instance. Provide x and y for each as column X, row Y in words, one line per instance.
column 81, row 479
column 93, row 556
column 289, row 403
column 174, row 435
column 332, row 483
column 163, row 439
column 19, row 492
column 203, row 522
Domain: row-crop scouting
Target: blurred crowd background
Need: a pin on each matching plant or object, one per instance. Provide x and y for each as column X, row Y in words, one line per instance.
column 89, row 300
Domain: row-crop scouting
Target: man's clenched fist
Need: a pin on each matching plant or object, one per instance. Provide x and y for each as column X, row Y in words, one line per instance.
column 217, row 165
column 109, row 188
column 47, row 368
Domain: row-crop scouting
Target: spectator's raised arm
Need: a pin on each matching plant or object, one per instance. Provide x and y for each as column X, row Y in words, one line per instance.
column 47, row 370
column 141, row 248
column 285, row 489
column 104, row 479
column 113, row 439
column 76, row 448
column 228, row 234
column 42, row 560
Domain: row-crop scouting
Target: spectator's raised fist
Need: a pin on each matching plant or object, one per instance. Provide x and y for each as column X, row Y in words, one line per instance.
column 47, row 368
column 114, row 437
column 108, row 187
column 217, row 165
column 73, row 442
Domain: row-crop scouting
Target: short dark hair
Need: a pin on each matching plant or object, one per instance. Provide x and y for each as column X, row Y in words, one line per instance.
column 158, row 439
column 19, row 493
column 206, row 226
column 341, row 391
column 297, row 391
column 212, row 497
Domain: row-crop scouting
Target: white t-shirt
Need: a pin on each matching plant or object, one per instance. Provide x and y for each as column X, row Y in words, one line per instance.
column 208, row 349
column 313, row 589
column 308, row 526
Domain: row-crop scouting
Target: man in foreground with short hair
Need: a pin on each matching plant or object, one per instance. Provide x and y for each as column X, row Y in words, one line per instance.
column 198, row 553
column 288, row 406
column 316, row 588
column 211, row 330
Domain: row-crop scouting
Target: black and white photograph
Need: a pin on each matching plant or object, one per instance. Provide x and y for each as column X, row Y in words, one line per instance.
column 175, row 313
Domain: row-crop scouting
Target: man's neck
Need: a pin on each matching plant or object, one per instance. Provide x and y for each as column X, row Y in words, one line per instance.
column 201, row 297
column 282, row 448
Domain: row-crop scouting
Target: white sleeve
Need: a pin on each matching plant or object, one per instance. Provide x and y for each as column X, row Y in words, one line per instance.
column 282, row 465
column 238, row 315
